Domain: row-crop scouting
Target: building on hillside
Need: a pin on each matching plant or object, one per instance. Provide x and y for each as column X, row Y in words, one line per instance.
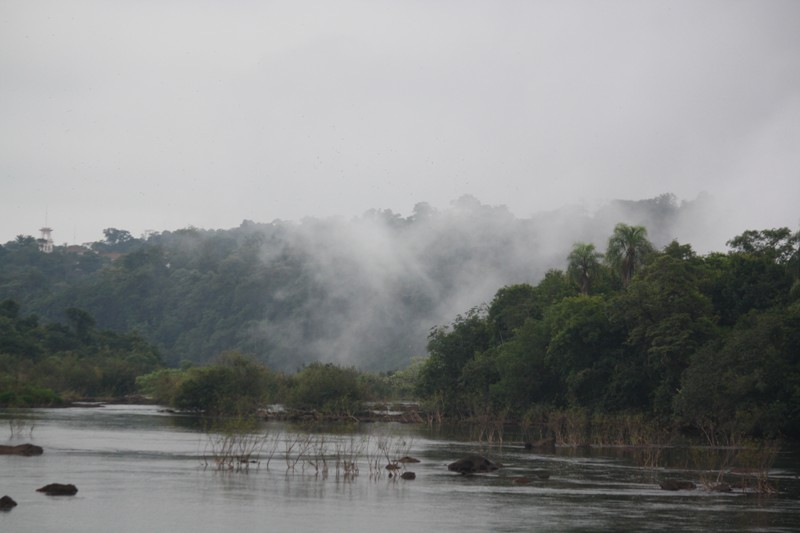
column 77, row 249
column 46, row 241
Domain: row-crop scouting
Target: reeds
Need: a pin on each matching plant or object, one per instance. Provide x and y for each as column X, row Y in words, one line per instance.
column 744, row 466
column 323, row 455
column 20, row 424
column 489, row 427
column 234, row 445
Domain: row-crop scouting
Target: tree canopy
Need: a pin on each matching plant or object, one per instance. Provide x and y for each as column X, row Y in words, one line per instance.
column 707, row 342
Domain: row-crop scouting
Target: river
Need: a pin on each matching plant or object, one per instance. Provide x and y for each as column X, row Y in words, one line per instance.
column 139, row 469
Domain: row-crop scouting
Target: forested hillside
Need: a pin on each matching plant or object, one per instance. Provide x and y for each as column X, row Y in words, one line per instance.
column 363, row 291
column 706, row 342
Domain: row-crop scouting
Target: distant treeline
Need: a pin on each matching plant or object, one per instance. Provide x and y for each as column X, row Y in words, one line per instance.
column 361, row 292
column 44, row 364
column 54, row 364
column 708, row 343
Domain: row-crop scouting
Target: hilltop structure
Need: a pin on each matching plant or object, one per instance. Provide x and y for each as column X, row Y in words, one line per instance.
column 46, row 240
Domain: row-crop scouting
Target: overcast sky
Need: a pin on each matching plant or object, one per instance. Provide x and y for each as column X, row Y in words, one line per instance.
column 164, row 114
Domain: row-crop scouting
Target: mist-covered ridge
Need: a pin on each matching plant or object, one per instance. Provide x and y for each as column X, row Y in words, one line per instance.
column 363, row 291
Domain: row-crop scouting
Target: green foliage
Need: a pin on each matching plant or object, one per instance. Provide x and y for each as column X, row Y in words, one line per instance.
column 450, row 350
column 161, row 385
column 524, row 375
column 779, row 245
column 237, row 384
column 511, row 307
column 290, row 293
column 667, row 318
column 582, row 341
column 584, row 266
column 397, row 385
column 39, row 362
column 708, row 342
column 327, row 388
column 28, row 395
column 627, row 250
column 747, row 382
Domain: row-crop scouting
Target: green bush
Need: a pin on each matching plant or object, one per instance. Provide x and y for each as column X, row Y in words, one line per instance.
column 161, row 385
column 29, row 396
column 327, row 388
column 237, row 384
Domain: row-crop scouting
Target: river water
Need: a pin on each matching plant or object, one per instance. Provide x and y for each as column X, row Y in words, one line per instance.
column 138, row 469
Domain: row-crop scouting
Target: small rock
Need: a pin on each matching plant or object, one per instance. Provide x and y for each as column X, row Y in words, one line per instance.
column 542, row 444
column 407, row 459
column 676, row 484
column 7, row 503
column 408, row 475
column 21, row 449
column 472, row 464
column 59, row 489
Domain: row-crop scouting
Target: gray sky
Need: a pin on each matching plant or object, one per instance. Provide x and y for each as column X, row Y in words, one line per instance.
column 164, row 114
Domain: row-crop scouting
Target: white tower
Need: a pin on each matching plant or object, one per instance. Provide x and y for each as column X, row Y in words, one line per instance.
column 46, row 242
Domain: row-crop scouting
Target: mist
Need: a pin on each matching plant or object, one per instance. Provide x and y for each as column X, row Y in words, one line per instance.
column 163, row 115
column 375, row 285
column 482, row 139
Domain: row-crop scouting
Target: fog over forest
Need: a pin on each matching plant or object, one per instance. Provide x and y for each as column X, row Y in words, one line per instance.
column 363, row 291
column 381, row 281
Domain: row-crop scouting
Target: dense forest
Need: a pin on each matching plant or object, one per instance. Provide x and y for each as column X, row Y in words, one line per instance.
column 42, row 363
column 326, row 314
column 708, row 342
column 362, row 292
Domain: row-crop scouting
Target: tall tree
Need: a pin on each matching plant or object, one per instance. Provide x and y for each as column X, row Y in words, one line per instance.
column 627, row 248
column 584, row 265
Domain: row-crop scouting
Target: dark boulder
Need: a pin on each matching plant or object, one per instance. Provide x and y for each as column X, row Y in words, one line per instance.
column 473, row 464
column 21, row 449
column 6, row 503
column 59, row 489
column 677, row 484
column 542, row 444
column 408, row 460
column 408, row 475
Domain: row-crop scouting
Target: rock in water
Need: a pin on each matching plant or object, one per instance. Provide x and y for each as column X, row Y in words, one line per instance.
column 409, row 475
column 21, row 449
column 676, row 484
column 59, row 489
column 7, row 503
column 543, row 444
column 472, row 464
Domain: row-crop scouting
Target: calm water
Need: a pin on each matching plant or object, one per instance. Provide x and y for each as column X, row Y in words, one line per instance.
column 139, row 470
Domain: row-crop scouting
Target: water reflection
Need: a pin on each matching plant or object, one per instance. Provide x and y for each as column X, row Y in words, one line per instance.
column 141, row 469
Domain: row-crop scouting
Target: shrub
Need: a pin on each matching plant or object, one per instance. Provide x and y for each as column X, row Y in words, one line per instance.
column 326, row 387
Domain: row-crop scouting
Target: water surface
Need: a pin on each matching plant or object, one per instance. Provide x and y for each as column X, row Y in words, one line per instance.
column 139, row 469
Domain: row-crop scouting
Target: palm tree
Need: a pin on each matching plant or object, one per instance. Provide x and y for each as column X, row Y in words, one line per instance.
column 584, row 264
column 627, row 247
